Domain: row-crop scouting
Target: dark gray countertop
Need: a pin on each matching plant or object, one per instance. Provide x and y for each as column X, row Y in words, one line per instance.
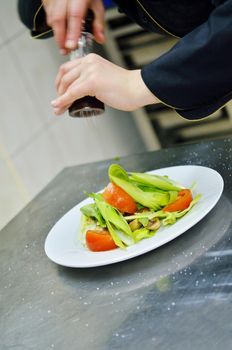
column 175, row 297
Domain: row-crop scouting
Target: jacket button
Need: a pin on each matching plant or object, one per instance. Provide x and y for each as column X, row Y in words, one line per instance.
column 145, row 19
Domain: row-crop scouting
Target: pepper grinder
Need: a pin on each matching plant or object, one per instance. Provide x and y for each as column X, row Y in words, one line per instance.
column 87, row 106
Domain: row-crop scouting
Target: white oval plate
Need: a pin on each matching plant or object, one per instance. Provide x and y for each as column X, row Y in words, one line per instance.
column 64, row 247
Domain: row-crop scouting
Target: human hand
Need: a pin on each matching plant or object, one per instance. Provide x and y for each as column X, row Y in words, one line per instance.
column 94, row 76
column 66, row 16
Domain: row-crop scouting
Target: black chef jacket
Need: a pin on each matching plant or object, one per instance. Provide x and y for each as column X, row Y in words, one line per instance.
column 195, row 76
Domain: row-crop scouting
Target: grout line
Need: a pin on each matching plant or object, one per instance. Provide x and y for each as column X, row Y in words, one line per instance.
column 11, row 168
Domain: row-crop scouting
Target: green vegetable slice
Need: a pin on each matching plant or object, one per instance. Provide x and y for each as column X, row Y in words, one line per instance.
column 157, row 181
column 114, row 220
column 153, row 200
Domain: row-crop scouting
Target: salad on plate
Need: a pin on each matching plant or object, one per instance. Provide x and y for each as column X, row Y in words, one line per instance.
column 131, row 208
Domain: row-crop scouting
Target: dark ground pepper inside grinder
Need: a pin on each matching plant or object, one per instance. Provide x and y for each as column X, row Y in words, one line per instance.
column 87, row 106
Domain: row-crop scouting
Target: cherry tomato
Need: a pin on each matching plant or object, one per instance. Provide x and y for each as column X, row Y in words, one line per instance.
column 98, row 241
column 118, row 198
column 182, row 202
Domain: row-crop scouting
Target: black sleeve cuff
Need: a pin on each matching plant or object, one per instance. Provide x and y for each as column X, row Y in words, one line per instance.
column 176, row 102
column 204, row 111
column 33, row 16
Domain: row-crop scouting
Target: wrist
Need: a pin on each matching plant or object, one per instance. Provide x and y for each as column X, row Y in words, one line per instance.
column 142, row 95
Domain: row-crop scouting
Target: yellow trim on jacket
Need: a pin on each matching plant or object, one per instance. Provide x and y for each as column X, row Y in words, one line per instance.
column 153, row 20
column 34, row 24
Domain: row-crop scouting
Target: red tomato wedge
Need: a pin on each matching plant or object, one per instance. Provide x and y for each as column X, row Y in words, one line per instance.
column 118, row 198
column 99, row 241
column 182, row 202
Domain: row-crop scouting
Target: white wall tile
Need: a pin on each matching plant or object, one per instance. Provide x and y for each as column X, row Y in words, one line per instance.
column 19, row 118
column 38, row 62
column 28, row 68
column 2, row 37
column 10, row 22
column 39, row 162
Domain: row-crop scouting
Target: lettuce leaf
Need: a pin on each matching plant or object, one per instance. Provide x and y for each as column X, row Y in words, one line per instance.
column 142, row 233
column 92, row 211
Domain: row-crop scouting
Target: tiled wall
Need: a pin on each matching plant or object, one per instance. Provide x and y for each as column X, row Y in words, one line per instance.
column 35, row 145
